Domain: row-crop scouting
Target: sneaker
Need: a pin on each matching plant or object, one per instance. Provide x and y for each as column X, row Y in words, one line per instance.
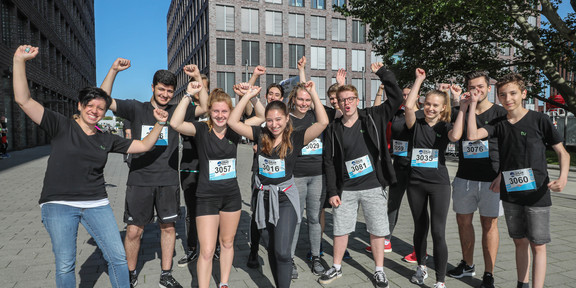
column 167, row 281
column 487, row 280
column 420, row 275
column 380, row 279
column 410, row 258
column 224, row 286
column 439, row 285
column 347, row 255
column 133, row 279
column 217, row 253
column 253, row 260
column 462, row 270
column 330, row 275
column 317, row 266
column 387, row 246
column 294, row 270
column 190, row 256
column 368, row 249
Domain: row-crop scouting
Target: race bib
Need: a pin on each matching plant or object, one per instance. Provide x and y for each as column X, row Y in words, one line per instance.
column 162, row 139
column 222, row 169
column 359, row 167
column 519, row 180
column 313, row 148
column 475, row 149
column 400, row 148
column 271, row 168
column 426, row 158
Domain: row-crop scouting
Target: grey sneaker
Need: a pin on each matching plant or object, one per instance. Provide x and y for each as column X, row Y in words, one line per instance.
column 380, row 279
column 420, row 275
column 317, row 266
column 330, row 275
column 294, row 270
column 167, row 281
column 190, row 256
column 462, row 270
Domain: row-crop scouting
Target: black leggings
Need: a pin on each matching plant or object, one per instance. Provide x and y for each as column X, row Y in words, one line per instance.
column 189, row 182
column 419, row 194
column 396, row 193
column 280, row 242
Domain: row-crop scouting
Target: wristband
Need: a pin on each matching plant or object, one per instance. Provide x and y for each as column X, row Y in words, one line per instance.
column 163, row 123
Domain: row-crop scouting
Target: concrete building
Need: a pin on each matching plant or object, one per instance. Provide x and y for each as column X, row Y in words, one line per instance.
column 64, row 32
column 228, row 39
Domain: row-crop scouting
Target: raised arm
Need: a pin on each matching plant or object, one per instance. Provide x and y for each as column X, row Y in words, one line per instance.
column 31, row 107
column 177, row 121
column 241, row 89
column 141, row 146
column 321, row 117
column 378, row 98
column 234, row 119
column 564, row 161
column 412, row 99
column 302, row 69
column 341, row 77
column 472, row 129
column 120, row 64
column 194, row 73
column 258, row 71
column 456, row 132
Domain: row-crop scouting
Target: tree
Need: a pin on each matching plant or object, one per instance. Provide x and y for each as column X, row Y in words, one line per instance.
column 452, row 37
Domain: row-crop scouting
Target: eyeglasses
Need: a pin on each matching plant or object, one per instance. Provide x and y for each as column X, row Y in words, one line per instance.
column 347, row 100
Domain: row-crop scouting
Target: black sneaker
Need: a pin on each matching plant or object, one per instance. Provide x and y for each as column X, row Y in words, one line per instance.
column 167, row 281
column 462, row 270
column 380, row 279
column 217, row 253
column 253, row 260
column 330, row 275
column 487, row 280
column 317, row 266
column 190, row 256
column 294, row 270
column 133, row 278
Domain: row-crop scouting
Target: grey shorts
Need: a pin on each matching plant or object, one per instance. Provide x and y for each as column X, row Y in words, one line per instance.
column 375, row 206
column 528, row 222
column 468, row 195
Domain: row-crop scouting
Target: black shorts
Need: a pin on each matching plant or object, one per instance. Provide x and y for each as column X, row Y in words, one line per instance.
column 216, row 204
column 142, row 200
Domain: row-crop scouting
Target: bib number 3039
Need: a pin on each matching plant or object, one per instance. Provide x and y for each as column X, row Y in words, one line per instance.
column 427, row 158
column 359, row 167
column 519, row 180
column 222, row 169
column 271, row 168
column 400, row 148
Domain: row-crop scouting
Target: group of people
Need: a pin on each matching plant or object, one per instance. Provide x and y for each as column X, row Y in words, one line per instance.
column 307, row 157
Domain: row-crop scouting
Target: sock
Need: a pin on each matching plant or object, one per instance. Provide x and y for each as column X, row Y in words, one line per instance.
column 337, row 266
column 379, row 268
column 523, row 285
column 166, row 272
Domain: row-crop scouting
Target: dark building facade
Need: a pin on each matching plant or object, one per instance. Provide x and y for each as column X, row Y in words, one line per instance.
column 64, row 32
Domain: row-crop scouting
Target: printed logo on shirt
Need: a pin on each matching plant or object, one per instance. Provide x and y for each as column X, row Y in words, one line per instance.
column 438, row 135
column 102, row 147
column 361, row 131
column 230, row 142
column 522, row 133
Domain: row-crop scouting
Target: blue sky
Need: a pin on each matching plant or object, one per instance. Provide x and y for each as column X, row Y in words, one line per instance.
column 136, row 30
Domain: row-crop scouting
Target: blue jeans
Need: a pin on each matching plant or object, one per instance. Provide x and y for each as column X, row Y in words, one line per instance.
column 61, row 222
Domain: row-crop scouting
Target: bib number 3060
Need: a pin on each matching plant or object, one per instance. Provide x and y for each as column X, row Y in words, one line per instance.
column 519, row 180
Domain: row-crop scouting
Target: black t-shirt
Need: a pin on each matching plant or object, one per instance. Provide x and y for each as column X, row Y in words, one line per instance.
column 475, row 161
column 401, row 135
column 523, row 145
column 217, row 159
column 272, row 169
column 359, row 163
column 426, row 138
column 159, row 166
column 309, row 162
column 75, row 170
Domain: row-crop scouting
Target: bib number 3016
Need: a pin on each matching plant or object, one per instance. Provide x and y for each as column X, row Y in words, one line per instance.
column 271, row 168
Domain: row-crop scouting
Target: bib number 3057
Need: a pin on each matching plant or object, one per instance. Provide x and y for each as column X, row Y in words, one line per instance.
column 222, row 169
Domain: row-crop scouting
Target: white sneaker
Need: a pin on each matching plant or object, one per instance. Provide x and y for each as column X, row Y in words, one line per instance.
column 439, row 285
column 420, row 275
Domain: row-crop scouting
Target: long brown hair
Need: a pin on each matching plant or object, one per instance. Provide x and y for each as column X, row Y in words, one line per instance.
column 217, row 95
column 292, row 97
column 444, row 115
column 285, row 146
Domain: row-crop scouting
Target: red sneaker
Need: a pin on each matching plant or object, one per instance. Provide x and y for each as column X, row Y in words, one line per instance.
column 368, row 249
column 410, row 258
column 387, row 246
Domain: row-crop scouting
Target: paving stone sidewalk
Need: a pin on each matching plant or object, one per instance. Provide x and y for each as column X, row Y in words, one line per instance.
column 26, row 259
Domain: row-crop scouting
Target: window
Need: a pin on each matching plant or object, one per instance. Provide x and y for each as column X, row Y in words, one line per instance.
column 375, row 58
column 358, row 60
column 295, row 52
column 226, row 81
column 338, row 29
column 250, row 22
column 318, row 4
column 224, row 18
column 274, row 55
column 318, row 27
column 274, row 23
column 339, row 3
column 274, row 78
column 225, row 51
column 358, row 32
column 320, row 87
column 296, row 25
column 338, row 58
column 247, row 78
column 251, row 53
column 359, row 84
column 273, row 1
column 317, row 57
column 297, row 3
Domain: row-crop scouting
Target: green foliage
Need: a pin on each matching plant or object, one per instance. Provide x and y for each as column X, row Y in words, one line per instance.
column 449, row 38
column 107, row 118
